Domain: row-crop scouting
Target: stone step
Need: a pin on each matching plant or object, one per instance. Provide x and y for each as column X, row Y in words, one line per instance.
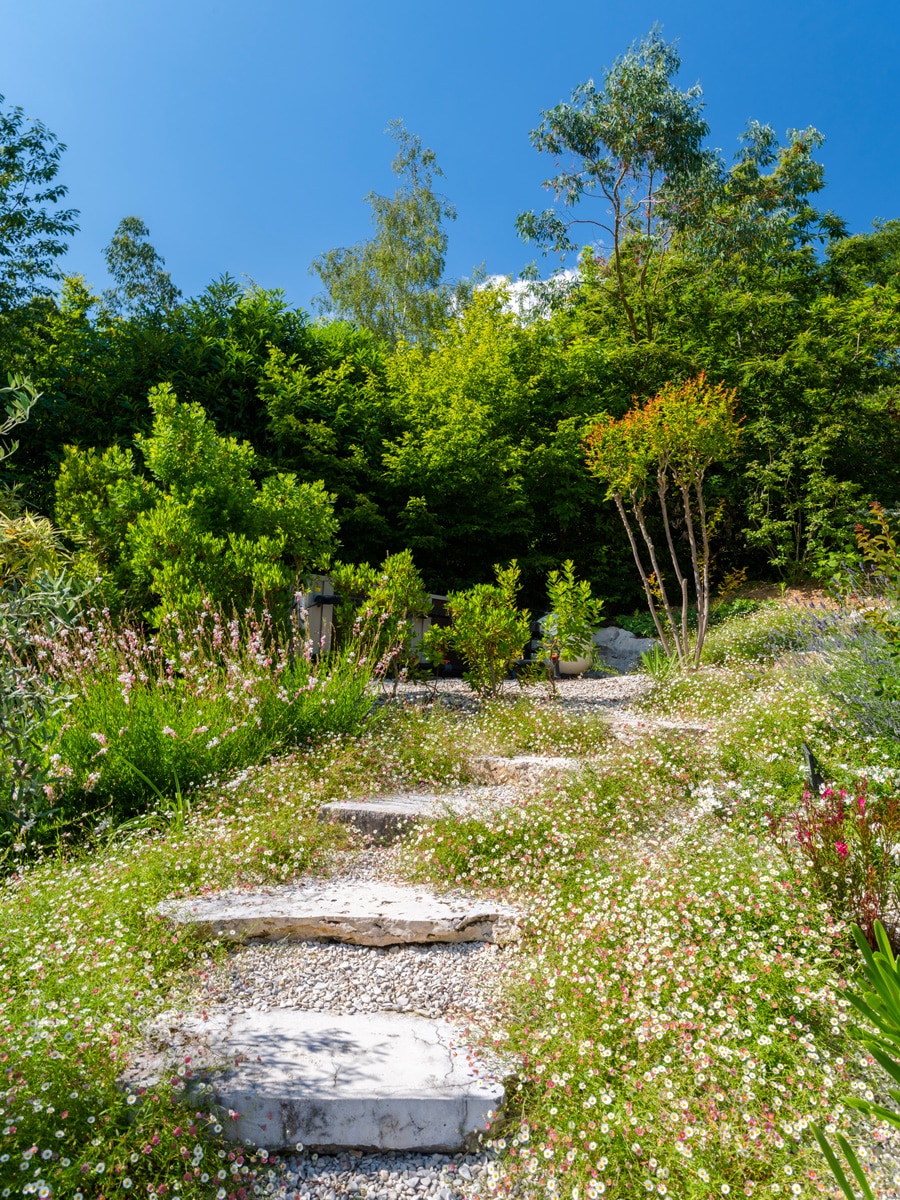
column 626, row 724
column 366, row 913
column 385, row 818
column 520, row 768
column 380, row 1081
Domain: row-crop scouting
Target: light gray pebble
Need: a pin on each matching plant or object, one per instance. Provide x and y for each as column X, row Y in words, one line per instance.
column 334, row 977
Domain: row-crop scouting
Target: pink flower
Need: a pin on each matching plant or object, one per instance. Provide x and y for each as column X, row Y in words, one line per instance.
column 841, row 848
column 169, row 732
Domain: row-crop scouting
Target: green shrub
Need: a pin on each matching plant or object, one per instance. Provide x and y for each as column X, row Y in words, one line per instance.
column 201, row 528
column 384, row 621
column 488, row 631
column 567, row 631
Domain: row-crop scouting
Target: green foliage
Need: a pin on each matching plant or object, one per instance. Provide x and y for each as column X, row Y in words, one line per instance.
column 659, row 665
column 488, row 631
column 469, row 454
column 33, row 231
column 20, row 396
column 198, row 702
column 203, row 529
column 31, row 700
column 141, row 284
column 383, row 620
column 671, row 441
column 466, row 410
column 638, row 144
column 392, row 284
column 880, row 1007
column 573, row 617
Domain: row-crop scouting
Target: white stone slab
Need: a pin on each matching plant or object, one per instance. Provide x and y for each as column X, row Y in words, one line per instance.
column 366, row 913
column 385, row 818
column 521, row 768
column 381, row 1081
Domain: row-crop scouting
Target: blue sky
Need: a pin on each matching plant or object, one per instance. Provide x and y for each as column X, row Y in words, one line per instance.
column 247, row 132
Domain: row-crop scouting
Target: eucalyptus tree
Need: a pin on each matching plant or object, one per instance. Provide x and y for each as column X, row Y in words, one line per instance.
column 633, row 147
column 142, row 285
column 392, row 284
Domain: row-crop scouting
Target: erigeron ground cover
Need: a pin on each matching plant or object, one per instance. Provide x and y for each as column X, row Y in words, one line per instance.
column 674, row 1006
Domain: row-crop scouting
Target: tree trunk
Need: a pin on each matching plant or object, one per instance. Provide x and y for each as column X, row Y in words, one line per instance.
column 640, row 566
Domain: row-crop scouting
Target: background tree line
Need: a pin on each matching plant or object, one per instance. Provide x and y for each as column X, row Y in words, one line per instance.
column 443, row 416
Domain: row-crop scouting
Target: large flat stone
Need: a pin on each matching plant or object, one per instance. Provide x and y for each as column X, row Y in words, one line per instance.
column 385, row 818
column 520, row 768
column 380, row 1081
column 621, row 649
column 366, row 913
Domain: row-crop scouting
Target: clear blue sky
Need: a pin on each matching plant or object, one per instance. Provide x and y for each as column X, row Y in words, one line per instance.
column 246, row 132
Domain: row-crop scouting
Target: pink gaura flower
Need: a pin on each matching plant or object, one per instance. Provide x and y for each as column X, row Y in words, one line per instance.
column 841, row 848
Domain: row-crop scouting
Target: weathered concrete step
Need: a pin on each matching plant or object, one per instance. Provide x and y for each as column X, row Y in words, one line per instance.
column 380, row 1081
column 366, row 913
column 520, row 768
column 384, row 818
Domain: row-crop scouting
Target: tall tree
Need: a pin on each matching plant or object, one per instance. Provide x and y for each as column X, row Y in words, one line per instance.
column 142, row 285
column 392, row 283
column 33, row 231
column 633, row 151
column 632, row 146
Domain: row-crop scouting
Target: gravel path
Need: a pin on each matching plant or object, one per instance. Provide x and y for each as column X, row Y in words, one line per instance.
column 460, row 981
column 383, row 1176
column 457, row 979
column 579, row 695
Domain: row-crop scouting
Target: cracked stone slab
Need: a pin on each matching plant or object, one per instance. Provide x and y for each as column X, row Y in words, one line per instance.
column 376, row 1081
column 521, row 768
column 366, row 913
column 385, row 818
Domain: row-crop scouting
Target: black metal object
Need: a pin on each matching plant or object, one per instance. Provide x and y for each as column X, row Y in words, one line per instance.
column 814, row 776
column 319, row 601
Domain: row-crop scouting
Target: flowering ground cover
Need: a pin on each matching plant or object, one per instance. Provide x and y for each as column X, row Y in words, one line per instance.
column 675, row 1005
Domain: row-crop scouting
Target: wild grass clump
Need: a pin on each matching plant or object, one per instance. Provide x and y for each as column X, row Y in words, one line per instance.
column 190, row 704
column 758, row 635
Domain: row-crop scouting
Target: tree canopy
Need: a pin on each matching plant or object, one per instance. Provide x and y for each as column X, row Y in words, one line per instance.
column 33, row 230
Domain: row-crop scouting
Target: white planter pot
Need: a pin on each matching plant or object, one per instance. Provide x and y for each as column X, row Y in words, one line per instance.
column 574, row 666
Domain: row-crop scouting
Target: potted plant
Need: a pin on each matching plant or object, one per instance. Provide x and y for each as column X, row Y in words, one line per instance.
column 567, row 631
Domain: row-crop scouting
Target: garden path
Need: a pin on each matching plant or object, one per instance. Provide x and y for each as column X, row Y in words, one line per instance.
column 347, row 1012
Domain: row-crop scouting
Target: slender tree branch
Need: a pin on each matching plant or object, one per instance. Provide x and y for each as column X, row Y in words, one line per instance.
column 648, row 592
column 642, row 525
column 662, row 485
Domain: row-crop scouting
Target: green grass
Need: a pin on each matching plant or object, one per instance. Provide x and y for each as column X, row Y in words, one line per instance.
column 85, row 961
column 674, row 1004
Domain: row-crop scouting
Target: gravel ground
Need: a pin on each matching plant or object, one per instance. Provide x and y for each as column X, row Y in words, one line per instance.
column 441, row 979
column 581, row 694
column 382, row 1176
